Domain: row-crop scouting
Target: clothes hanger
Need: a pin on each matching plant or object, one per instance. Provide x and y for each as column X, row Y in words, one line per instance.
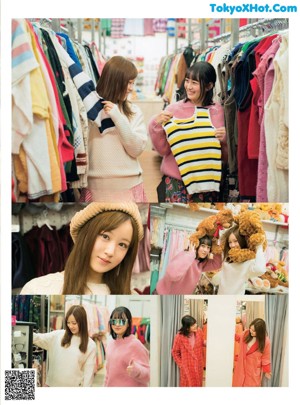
column 44, row 220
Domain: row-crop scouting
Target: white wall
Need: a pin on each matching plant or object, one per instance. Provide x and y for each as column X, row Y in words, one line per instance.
column 220, row 340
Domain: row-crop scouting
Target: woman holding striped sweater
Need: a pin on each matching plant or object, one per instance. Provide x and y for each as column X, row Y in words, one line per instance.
column 117, row 132
column 190, row 135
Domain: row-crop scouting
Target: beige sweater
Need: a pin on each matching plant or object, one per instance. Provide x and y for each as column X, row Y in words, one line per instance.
column 68, row 367
column 113, row 163
column 53, row 284
column 277, row 130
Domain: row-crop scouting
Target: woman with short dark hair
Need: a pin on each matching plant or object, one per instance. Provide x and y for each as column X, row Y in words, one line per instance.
column 187, row 352
column 127, row 360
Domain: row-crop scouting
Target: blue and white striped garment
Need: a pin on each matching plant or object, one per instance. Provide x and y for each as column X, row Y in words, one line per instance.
column 89, row 95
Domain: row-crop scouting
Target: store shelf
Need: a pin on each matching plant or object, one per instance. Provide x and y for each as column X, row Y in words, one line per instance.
column 275, row 222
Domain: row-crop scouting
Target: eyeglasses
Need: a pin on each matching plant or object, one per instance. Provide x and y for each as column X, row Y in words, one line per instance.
column 118, row 322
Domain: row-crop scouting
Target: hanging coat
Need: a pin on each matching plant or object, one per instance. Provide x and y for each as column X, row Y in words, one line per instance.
column 251, row 364
column 189, row 359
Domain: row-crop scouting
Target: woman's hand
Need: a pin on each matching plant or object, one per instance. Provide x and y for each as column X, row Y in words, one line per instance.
column 130, row 368
column 268, row 375
column 162, row 117
column 220, row 134
column 108, row 106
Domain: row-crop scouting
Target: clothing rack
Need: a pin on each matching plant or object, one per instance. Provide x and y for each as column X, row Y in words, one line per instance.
column 54, row 24
column 179, row 227
column 101, row 33
column 269, row 24
column 43, row 215
column 93, row 299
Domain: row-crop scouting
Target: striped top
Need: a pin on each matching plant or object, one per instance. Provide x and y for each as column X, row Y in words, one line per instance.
column 91, row 100
column 22, row 56
column 196, row 150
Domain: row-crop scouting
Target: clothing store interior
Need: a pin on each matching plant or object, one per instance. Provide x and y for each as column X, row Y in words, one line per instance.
column 179, row 128
column 246, row 89
column 44, row 314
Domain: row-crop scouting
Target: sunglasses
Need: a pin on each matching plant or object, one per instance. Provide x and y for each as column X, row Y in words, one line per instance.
column 118, row 322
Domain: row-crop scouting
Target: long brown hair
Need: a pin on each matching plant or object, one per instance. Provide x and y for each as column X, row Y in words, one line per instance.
column 80, row 316
column 261, row 333
column 78, row 264
column 112, row 85
column 240, row 238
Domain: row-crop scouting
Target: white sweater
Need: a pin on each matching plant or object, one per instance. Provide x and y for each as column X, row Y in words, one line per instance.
column 113, row 163
column 53, row 284
column 68, row 367
column 233, row 277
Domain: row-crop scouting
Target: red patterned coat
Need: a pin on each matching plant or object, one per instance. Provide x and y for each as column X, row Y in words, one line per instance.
column 189, row 359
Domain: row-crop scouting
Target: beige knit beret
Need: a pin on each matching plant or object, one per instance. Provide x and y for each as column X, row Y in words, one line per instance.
column 95, row 208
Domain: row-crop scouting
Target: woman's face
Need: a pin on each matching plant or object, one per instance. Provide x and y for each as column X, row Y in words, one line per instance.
column 109, row 250
column 194, row 327
column 233, row 242
column 252, row 331
column 130, row 88
column 192, row 88
column 203, row 251
column 73, row 325
column 119, row 326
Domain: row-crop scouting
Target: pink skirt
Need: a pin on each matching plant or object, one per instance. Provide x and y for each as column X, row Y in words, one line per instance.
column 136, row 194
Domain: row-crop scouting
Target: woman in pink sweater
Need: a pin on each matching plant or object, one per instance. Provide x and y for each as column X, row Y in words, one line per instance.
column 206, row 122
column 127, row 360
column 184, row 271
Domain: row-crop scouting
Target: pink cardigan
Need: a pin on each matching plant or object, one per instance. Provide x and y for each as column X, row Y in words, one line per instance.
column 158, row 136
column 183, row 273
column 120, row 353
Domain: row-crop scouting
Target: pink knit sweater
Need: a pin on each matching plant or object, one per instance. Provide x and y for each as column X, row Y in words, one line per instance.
column 183, row 273
column 158, row 136
column 121, row 353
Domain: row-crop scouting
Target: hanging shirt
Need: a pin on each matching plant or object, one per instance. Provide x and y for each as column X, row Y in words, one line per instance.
column 196, row 150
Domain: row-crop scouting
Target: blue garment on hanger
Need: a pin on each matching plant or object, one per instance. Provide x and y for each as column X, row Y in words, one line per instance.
column 70, row 48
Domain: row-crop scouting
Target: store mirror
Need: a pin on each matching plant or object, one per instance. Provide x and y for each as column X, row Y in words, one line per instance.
column 246, row 354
